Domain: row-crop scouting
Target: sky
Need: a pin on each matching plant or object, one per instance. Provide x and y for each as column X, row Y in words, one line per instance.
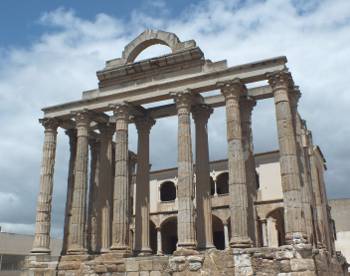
column 50, row 52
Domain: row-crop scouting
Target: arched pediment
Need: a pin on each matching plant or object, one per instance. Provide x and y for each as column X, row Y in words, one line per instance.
column 153, row 37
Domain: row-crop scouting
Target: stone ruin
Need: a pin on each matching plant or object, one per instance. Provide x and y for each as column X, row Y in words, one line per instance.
column 98, row 218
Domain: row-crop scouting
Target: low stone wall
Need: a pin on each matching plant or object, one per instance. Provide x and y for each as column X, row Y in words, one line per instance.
column 284, row 261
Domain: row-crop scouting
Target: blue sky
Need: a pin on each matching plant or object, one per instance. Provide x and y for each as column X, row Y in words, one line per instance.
column 19, row 19
column 50, row 52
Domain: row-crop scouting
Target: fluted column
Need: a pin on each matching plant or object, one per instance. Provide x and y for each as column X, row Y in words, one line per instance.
column 321, row 241
column 121, row 214
column 232, row 92
column 142, row 234
column 290, row 174
column 246, row 107
column 77, row 223
column 294, row 96
column 72, row 135
column 41, row 242
column 105, row 195
column 186, row 215
column 94, row 238
column 201, row 114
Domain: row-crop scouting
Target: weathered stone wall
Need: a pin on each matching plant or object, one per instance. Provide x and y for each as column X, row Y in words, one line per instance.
column 284, row 261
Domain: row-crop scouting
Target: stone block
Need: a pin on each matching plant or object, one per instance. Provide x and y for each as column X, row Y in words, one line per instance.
column 194, row 266
column 133, row 273
column 155, row 273
column 197, row 258
column 144, row 273
column 112, row 267
column 302, row 265
column 145, row 265
column 242, row 260
column 178, row 259
column 131, row 265
column 284, row 266
column 100, row 269
column 284, row 255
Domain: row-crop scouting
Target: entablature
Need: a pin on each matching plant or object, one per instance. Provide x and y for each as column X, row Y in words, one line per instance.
column 160, row 90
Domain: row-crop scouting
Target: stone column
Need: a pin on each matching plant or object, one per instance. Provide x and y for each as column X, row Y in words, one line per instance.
column 94, row 237
column 215, row 187
column 246, row 107
column 201, row 114
column 159, row 242
column 121, row 214
column 272, row 232
column 72, row 135
column 226, row 235
column 41, row 242
column 142, row 233
column 290, row 174
column 232, row 92
column 265, row 240
column 294, row 96
column 320, row 222
column 105, row 195
column 77, row 230
column 186, row 216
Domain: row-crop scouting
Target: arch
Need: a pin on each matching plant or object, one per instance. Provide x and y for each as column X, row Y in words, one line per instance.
column 153, row 37
column 218, row 233
column 222, row 183
column 169, row 235
column 167, row 191
column 275, row 227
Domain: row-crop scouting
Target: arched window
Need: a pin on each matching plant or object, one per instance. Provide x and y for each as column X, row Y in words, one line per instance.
column 167, row 191
column 222, row 183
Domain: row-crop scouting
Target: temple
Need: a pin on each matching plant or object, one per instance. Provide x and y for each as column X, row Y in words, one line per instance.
column 201, row 218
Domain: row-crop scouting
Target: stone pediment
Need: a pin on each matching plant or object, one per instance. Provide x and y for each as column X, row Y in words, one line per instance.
column 186, row 58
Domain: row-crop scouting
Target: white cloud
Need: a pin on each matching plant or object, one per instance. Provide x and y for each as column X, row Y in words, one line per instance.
column 56, row 68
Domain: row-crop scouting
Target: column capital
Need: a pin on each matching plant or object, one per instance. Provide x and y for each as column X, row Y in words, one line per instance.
column 278, row 79
column 144, row 123
column 50, row 124
column 232, row 88
column 183, row 99
column 82, row 118
column 201, row 113
column 120, row 111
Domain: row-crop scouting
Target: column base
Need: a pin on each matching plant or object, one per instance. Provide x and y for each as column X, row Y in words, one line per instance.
column 77, row 251
column 183, row 251
column 120, row 251
column 206, row 247
column 40, row 250
column 237, row 242
column 145, row 252
column 105, row 250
